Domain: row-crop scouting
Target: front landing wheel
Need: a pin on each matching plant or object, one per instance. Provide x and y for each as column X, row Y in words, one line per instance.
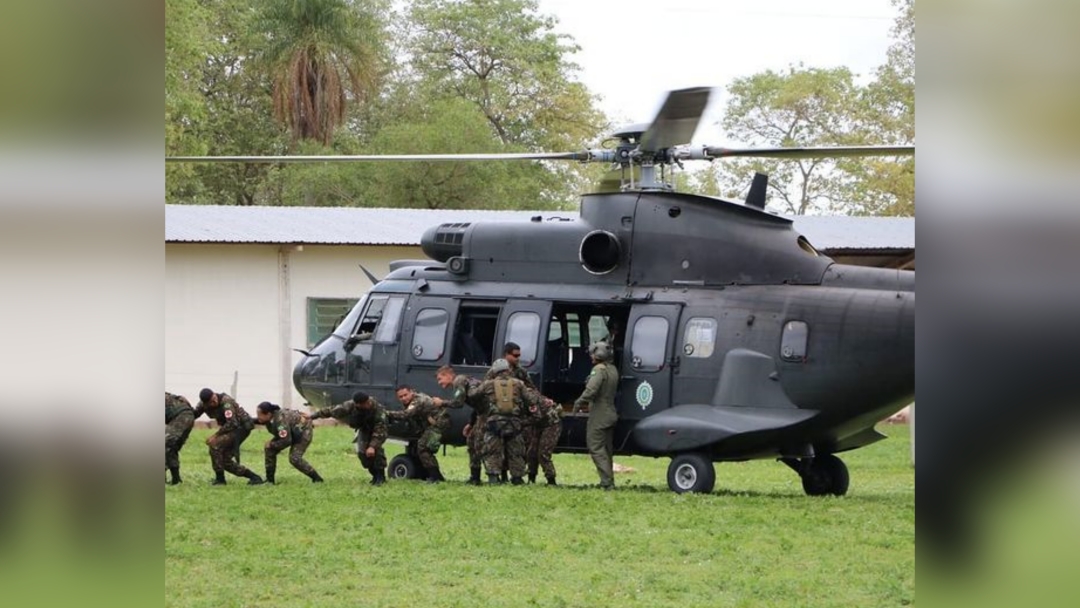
column 825, row 475
column 692, row 472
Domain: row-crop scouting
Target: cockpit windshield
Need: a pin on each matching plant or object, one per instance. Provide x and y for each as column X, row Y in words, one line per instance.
column 345, row 328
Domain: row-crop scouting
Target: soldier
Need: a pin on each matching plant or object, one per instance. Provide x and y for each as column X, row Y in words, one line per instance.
column 367, row 417
column 599, row 395
column 512, row 355
column 508, row 402
column 432, row 421
column 467, row 392
column 541, row 437
column 291, row 429
column 179, row 419
column 234, row 426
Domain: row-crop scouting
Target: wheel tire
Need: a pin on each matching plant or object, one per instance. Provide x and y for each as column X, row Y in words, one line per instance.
column 691, row 472
column 826, row 475
column 404, row 466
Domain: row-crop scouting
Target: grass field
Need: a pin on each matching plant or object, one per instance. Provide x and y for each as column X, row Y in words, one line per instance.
column 756, row 541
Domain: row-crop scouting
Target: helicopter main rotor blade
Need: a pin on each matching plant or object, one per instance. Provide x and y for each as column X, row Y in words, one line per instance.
column 808, row 152
column 677, row 119
column 335, row 158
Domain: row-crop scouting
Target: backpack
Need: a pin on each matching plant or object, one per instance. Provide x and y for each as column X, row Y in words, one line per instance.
column 506, row 396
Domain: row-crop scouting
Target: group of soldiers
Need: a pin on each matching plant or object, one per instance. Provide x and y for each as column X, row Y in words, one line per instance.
column 512, row 433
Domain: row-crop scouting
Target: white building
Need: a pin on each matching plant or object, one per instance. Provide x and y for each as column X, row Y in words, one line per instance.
column 246, row 285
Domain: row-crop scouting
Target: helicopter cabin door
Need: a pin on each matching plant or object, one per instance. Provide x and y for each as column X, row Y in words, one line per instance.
column 648, row 361
column 524, row 322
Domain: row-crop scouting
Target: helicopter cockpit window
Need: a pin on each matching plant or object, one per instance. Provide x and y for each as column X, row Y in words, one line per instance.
column 793, row 342
column 429, row 334
column 371, row 317
column 648, row 349
column 523, row 328
column 700, row 338
column 391, row 320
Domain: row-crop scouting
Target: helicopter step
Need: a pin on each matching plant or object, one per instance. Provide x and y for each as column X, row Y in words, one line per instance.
column 821, row 475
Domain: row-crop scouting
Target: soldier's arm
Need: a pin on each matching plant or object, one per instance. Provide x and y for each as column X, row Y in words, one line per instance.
column 199, row 411
column 592, row 387
column 337, row 411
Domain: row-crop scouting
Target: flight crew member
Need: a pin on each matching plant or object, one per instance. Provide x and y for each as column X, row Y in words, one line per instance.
column 234, row 426
column 467, row 392
column 367, row 417
column 433, row 421
column 512, row 354
column 291, row 429
column 599, row 395
column 179, row 419
column 509, row 400
column 541, row 436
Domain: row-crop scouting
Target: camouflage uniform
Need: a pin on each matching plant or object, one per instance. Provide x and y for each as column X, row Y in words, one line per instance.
column 292, row 430
column 433, row 422
column 179, row 419
column 370, row 427
column 599, row 395
column 234, row 426
column 467, row 392
column 541, row 437
column 508, row 401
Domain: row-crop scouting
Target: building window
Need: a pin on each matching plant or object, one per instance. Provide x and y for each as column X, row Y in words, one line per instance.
column 793, row 342
column 429, row 334
column 523, row 328
column 649, row 346
column 324, row 314
column 700, row 338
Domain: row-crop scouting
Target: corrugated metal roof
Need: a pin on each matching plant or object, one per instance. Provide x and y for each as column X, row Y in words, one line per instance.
column 363, row 226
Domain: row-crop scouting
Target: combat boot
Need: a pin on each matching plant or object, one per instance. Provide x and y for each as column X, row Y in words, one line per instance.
column 532, row 477
column 270, row 474
column 504, row 476
column 435, row 476
column 378, row 477
column 174, row 472
column 219, row 478
column 474, row 477
column 551, row 481
column 315, row 477
column 254, row 479
column 495, row 479
column 517, row 481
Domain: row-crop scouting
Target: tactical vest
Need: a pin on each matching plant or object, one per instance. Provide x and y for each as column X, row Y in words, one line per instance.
column 506, row 396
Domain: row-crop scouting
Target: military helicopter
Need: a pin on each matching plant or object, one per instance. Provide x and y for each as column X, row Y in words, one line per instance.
column 734, row 337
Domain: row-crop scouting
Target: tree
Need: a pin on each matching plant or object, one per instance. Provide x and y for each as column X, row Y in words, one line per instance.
column 799, row 107
column 319, row 54
column 187, row 42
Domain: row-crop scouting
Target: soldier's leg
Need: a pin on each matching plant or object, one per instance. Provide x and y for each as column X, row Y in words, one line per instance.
column 427, row 448
column 476, row 456
column 378, row 468
column 230, row 456
column 270, row 460
column 296, row 456
column 597, row 441
column 515, row 450
column 549, row 438
column 493, row 456
column 217, row 456
column 530, row 436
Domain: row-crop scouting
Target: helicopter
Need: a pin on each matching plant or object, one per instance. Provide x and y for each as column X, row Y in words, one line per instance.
column 735, row 338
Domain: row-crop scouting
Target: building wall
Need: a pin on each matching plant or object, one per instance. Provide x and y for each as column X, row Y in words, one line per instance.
column 237, row 308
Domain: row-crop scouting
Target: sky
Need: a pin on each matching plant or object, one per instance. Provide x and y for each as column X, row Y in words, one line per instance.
column 633, row 52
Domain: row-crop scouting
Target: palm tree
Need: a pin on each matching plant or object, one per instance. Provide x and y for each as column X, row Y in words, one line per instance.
column 318, row 54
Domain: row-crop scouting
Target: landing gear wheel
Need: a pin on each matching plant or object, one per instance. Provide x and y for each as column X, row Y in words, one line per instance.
column 691, row 472
column 825, row 475
column 404, row 466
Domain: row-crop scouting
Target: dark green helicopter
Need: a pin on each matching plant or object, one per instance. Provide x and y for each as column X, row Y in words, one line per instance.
column 734, row 337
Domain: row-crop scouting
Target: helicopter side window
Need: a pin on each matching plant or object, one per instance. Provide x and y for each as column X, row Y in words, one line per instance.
column 429, row 334
column 523, row 328
column 699, row 340
column 793, row 341
column 648, row 348
column 474, row 340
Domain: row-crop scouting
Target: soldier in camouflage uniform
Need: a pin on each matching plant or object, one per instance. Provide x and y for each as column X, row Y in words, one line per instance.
column 466, row 392
column 367, row 417
column 599, row 395
column 290, row 429
column 179, row 418
column 509, row 400
column 433, row 421
column 234, row 426
column 541, row 436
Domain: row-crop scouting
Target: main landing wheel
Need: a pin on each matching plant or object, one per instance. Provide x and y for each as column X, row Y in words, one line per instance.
column 691, row 472
column 825, row 475
column 404, row 466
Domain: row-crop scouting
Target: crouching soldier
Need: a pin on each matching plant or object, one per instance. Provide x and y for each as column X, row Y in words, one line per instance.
column 179, row 419
column 292, row 430
column 432, row 420
column 234, row 426
column 365, row 415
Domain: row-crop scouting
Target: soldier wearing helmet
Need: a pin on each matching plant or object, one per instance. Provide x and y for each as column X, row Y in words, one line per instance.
column 599, row 396
column 509, row 401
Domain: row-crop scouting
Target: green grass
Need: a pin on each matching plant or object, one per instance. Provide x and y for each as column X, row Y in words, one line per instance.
column 756, row 541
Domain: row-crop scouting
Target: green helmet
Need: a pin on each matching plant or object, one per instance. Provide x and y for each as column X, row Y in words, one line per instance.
column 500, row 366
column 601, row 351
